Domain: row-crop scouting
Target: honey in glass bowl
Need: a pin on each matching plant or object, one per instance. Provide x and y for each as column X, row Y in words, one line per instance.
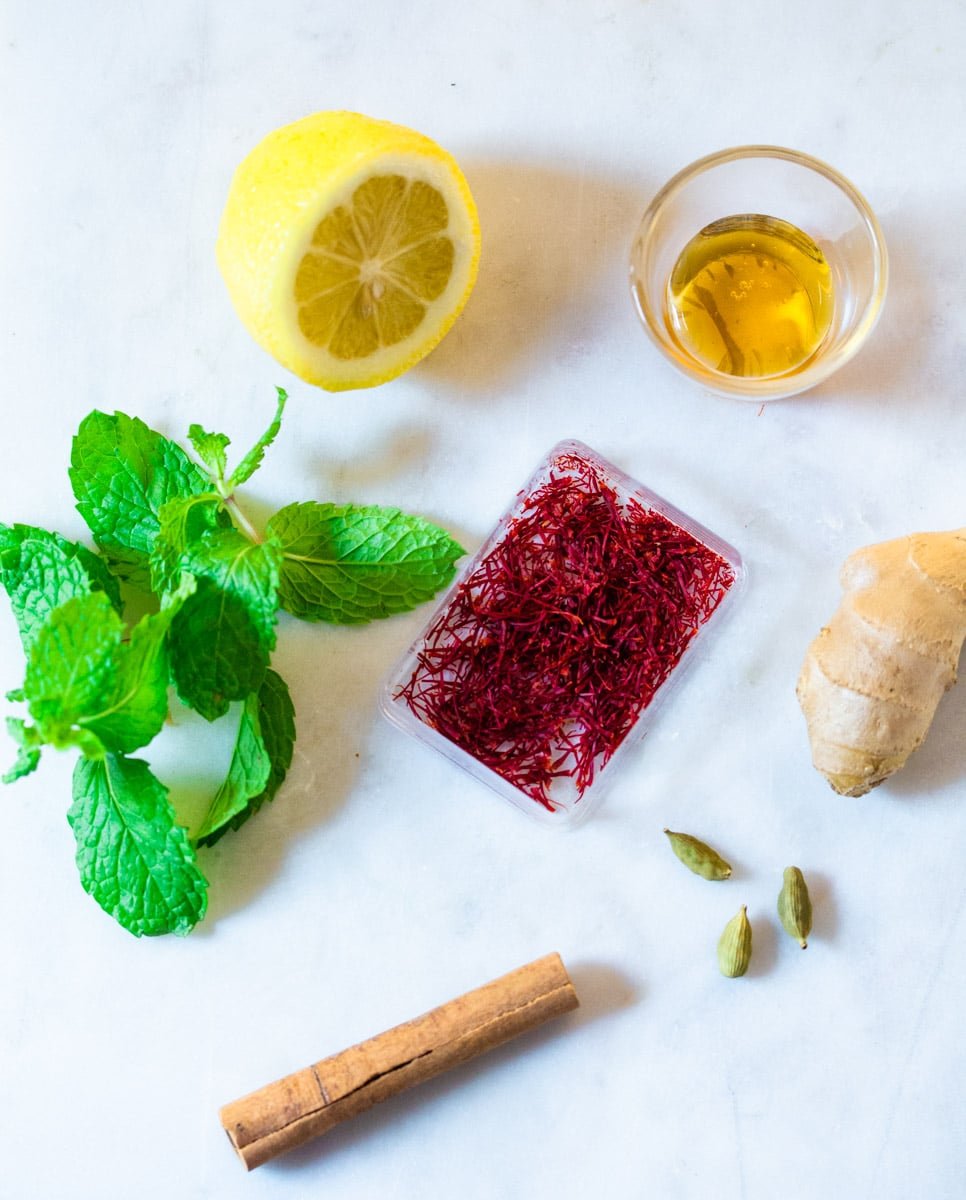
column 750, row 295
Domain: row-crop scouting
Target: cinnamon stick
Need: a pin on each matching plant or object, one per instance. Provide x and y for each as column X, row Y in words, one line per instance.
column 291, row 1111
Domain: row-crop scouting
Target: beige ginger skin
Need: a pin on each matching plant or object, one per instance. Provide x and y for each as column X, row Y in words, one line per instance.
column 872, row 679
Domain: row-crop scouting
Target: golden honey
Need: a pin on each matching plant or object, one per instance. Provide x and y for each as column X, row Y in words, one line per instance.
column 750, row 295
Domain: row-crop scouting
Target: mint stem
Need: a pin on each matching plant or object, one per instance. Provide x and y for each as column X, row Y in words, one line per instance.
column 243, row 523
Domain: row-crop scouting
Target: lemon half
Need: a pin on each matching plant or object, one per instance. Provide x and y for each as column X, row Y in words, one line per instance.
column 349, row 247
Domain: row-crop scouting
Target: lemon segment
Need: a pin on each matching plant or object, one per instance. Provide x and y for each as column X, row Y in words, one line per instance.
column 349, row 246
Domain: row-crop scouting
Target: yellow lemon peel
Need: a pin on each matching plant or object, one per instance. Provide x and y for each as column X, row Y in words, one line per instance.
column 349, row 247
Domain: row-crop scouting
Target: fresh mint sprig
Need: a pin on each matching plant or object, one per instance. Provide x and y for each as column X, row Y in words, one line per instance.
column 96, row 683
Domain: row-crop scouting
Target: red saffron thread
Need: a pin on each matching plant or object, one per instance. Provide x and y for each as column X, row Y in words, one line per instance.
column 558, row 640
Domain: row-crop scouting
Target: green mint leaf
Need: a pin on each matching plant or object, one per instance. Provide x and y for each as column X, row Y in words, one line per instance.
column 210, row 448
column 133, row 857
column 41, row 570
column 122, row 473
column 136, row 706
column 216, row 656
column 222, row 638
column 16, row 695
column 349, row 563
column 28, row 752
column 72, row 667
column 253, row 459
column 87, row 687
column 247, row 776
column 183, row 520
column 262, row 756
column 27, row 760
column 249, row 569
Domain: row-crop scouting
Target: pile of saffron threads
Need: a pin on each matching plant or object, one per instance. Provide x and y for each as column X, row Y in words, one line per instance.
column 559, row 638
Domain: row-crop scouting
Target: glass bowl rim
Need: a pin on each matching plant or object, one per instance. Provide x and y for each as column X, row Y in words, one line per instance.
column 773, row 387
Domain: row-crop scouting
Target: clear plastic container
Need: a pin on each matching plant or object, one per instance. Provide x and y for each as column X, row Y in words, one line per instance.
column 565, row 805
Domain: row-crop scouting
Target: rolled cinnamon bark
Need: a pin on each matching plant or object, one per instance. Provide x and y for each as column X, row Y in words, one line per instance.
column 291, row 1111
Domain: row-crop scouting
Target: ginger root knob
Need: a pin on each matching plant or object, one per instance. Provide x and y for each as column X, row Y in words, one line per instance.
column 872, row 679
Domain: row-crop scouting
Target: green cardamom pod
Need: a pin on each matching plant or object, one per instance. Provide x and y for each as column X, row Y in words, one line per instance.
column 734, row 948
column 698, row 857
column 794, row 906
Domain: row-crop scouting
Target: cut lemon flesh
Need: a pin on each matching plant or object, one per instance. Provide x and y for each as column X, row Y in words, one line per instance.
column 349, row 247
column 374, row 267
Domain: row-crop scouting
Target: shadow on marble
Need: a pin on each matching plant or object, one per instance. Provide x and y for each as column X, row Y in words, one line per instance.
column 764, row 942
column 739, row 872
column 891, row 367
column 825, row 913
column 602, row 990
column 334, row 674
column 549, row 236
column 400, row 451
column 245, row 863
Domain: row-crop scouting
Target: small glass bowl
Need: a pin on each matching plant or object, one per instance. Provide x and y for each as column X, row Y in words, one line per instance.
column 779, row 183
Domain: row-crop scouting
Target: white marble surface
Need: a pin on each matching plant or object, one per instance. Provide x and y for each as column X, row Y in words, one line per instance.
column 382, row 881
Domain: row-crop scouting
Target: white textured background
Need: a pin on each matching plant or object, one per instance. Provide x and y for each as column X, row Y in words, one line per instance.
column 382, row 881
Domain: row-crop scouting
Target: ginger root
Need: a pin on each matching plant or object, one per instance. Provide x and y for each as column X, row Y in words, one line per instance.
column 872, row 679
